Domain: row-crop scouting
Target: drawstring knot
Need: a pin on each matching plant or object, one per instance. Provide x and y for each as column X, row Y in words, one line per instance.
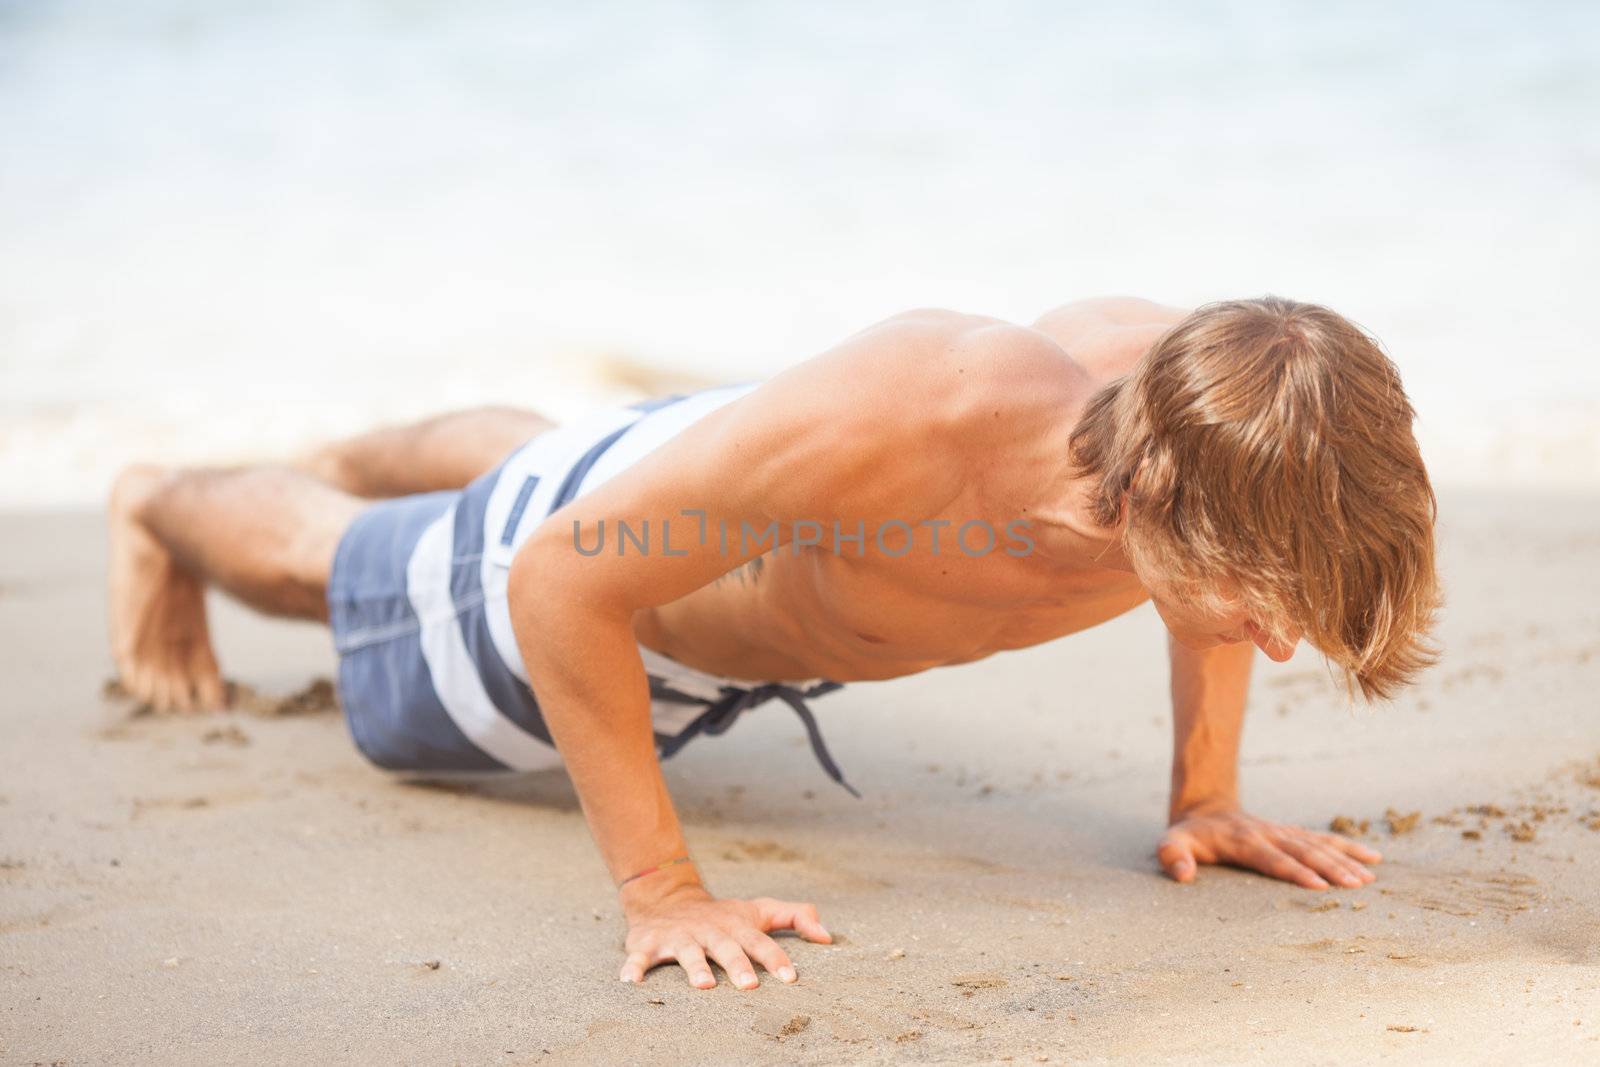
column 735, row 701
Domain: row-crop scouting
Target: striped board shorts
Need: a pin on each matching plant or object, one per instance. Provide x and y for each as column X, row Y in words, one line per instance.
column 429, row 672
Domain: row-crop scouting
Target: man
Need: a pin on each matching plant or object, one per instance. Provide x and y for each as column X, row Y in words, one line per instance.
column 929, row 492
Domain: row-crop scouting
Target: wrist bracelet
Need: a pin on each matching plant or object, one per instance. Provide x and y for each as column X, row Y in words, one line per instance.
column 652, row 870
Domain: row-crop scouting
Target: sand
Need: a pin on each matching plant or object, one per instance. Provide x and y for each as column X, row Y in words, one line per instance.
column 244, row 889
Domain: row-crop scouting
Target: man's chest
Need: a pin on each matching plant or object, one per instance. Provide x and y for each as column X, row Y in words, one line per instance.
column 931, row 608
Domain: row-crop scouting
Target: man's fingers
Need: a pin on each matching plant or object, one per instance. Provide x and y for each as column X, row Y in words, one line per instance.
column 727, row 952
column 1304, row 857
column 1354, row 849
column 1269, row 859
column 635, row 966
column 728, row 933
column 1327, row 862
column 792, row 915
column 1176, row 853
column 1330, row 856
column 1349, row 864
column 693, row 961
column 765, row 951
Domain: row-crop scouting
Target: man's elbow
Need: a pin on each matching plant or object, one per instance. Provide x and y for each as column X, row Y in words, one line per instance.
column 541, row 580
column 549, row 581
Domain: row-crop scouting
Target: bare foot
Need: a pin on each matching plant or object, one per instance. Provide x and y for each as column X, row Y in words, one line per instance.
column 159, row 636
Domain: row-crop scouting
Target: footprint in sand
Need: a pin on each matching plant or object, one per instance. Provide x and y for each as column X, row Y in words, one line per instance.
column 319, row 697
column 1502, row 893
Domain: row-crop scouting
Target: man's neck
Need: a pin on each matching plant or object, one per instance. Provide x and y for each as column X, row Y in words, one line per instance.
column 1066, row 532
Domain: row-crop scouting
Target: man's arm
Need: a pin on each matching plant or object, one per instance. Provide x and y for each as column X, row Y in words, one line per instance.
column 1206, row 824
column 1209, row 690
column 838, row 437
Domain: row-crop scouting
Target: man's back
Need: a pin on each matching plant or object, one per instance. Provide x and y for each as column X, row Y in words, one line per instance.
column 963, row 422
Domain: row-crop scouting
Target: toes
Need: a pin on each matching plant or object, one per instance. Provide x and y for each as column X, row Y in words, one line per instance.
column 141, row 684
column 206, row 680
column 166, row 693
column 164, row 689
column 211, row 694
column 184, row 697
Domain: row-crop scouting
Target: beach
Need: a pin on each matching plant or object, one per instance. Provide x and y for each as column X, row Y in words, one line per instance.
column 243, row 888
column 230, row 233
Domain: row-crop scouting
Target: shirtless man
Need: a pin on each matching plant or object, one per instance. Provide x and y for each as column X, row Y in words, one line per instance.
column 933, row 490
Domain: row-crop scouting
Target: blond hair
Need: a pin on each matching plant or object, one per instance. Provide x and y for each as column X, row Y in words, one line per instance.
column 1268, row 443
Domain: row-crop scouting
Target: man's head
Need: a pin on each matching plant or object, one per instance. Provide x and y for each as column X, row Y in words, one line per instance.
column 1262, row 460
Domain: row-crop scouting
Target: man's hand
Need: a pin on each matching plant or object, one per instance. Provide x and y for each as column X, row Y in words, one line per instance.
column 689, row 924
column 1304, row 857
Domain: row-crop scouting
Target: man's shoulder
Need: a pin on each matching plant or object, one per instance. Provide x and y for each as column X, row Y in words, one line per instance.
column 949, row 391
column 903, row 414
column 1101, row 312
column 1107, row 335
column 948, row 366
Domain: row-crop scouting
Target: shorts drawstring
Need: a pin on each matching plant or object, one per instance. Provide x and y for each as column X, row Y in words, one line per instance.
column 735, row 701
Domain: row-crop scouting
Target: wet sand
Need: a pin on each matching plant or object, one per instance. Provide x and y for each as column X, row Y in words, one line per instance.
column 245, row 889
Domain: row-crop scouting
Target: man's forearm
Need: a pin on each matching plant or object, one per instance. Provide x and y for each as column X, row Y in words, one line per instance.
column 1206, row 824
column 592, row 689
column 1209, row 689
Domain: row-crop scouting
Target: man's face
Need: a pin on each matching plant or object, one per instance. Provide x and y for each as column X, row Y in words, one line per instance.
column 1199, row 625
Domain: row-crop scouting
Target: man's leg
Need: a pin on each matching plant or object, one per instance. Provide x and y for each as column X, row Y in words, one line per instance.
column 442, row 453
column 264, row 534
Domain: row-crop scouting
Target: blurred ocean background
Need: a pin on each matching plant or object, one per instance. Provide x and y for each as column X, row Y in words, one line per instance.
column 230, row 228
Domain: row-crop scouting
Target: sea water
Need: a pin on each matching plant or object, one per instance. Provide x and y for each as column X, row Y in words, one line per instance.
column 227, row 229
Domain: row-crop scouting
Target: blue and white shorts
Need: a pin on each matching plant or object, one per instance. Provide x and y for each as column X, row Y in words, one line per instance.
column 429, row 674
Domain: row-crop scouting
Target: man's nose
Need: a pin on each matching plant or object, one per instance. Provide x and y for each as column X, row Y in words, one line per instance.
column 1274, row 650
column 1280, row 651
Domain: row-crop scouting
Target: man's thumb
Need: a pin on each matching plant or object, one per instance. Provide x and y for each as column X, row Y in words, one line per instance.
column 1177, row 857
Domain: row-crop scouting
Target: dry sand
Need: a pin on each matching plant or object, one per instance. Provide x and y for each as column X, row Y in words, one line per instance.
column 244, row 889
